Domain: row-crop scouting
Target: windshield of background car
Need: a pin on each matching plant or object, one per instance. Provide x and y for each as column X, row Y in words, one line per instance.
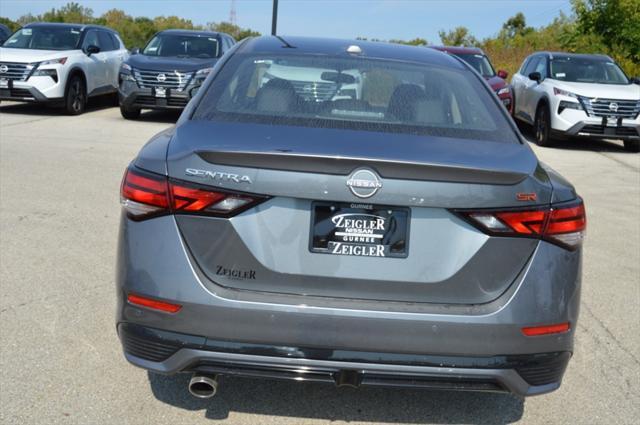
column 586, row 70
column 182, row 46
column 478, row 62
column 354, row 93
column 45, row 38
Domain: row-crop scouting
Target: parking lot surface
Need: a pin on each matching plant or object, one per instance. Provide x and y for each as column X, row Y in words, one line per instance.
column 61, row 361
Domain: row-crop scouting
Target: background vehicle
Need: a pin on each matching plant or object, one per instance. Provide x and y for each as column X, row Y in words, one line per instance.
column 481, row 63
column 403, row 233
column 67, row 63
column 169, row 70
column 5, row 32
column 564, row 94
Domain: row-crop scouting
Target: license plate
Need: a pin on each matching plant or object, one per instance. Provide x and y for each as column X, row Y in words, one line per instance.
column 361, row 230
column 611, row 122
column 4, row 84
column 161, row 92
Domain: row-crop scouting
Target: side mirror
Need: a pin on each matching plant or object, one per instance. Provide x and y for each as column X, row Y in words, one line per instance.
column 635, row 80
column 535, row 76
column 135, row 50
column 92, row 50
column 503, row 74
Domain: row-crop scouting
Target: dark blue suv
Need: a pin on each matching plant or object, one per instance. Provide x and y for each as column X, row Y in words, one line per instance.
column 165, row 74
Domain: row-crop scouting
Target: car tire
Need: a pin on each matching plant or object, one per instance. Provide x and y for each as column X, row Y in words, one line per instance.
column 542, row 126
column 75, row 98
column 129, row 113
column 632, row 145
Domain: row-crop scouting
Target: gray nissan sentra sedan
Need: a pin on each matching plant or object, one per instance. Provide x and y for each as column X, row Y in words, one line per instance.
column 348, row 212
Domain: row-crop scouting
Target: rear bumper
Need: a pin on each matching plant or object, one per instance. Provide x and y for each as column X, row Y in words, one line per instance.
column 170, row 352
column 547, row 291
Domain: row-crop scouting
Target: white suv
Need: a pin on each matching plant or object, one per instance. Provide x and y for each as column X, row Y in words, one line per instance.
column 64, row 63
column 564, row 95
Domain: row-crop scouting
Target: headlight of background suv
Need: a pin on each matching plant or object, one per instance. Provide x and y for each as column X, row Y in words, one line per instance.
column 39, row 72
column 126, row 72
column 202, row 73
column 565, row 104
column 504, row 90
column 560, row 92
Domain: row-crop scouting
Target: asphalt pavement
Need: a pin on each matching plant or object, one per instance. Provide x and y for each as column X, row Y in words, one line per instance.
column 61, row 361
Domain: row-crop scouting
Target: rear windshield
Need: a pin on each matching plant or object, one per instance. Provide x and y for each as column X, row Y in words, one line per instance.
column 354, row 93
column 587, row 70
column 478, row 62
column 182, row 46
column 45, row 38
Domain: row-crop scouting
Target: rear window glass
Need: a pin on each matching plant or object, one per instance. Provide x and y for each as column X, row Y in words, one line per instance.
column 354, row 93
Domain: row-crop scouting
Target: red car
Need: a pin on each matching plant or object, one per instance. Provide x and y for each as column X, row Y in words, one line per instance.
column 480, row 62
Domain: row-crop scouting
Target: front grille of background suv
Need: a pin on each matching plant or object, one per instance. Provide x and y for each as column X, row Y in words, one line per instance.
column 15, row 71
column 172, row 79
column 597, row 107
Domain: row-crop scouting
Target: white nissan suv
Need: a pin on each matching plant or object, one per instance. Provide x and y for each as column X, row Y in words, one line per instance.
column 62, row 63
column 565, row 95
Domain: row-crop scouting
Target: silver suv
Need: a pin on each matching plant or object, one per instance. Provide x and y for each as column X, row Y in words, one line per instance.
column 62, row 63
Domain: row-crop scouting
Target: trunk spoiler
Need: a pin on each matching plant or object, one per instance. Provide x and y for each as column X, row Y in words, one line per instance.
column 339, row 165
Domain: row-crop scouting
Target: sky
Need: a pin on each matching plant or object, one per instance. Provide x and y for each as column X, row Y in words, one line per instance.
column 382, row 19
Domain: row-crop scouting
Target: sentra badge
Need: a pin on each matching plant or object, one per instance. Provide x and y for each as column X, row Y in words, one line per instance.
column 218, row 176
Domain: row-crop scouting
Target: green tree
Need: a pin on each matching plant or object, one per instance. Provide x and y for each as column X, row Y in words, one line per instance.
column 459, row 36
column 9, row 23
column 71, row 12
column 233, row 30
column 28, row 18
column 615, row 22
column 172, row 22
column 516, row 25
column 415, row 42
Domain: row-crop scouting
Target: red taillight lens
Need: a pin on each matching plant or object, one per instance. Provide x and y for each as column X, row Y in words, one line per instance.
column 153, row 304
column 567, row 226
column 145, row 195
column 563, row 224
column 546, row 329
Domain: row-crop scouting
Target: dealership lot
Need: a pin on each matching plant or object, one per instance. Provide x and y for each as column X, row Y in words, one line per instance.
column 61, row 361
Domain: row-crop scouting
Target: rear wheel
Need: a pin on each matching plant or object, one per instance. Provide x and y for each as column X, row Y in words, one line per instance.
column 129, row 113
column 542, row 126
column 75, row 99
column 632, row 145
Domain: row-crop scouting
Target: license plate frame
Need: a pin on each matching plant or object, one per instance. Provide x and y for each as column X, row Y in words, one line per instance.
column 373, row 230
column 160, row 92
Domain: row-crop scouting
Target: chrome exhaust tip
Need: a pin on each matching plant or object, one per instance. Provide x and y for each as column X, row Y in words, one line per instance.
column 203, row 386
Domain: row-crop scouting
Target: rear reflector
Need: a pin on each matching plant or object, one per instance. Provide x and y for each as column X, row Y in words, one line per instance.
column 547, row 329
column 145, row 195
column 563, row 224
column 153, row 304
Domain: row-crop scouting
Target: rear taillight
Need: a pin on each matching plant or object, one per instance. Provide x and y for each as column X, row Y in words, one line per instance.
column 145, row 195
column 563, row 224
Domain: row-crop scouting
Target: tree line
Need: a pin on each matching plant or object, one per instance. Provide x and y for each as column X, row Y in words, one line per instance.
column 610, row 27
column 135, row 31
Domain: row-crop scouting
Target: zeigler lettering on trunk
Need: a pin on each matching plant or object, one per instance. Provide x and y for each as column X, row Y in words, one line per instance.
column 218, row 175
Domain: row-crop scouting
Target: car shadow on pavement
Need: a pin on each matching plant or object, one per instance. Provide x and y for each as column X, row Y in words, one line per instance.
column 161, row 116
column 52, row 109
column 326, row 402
